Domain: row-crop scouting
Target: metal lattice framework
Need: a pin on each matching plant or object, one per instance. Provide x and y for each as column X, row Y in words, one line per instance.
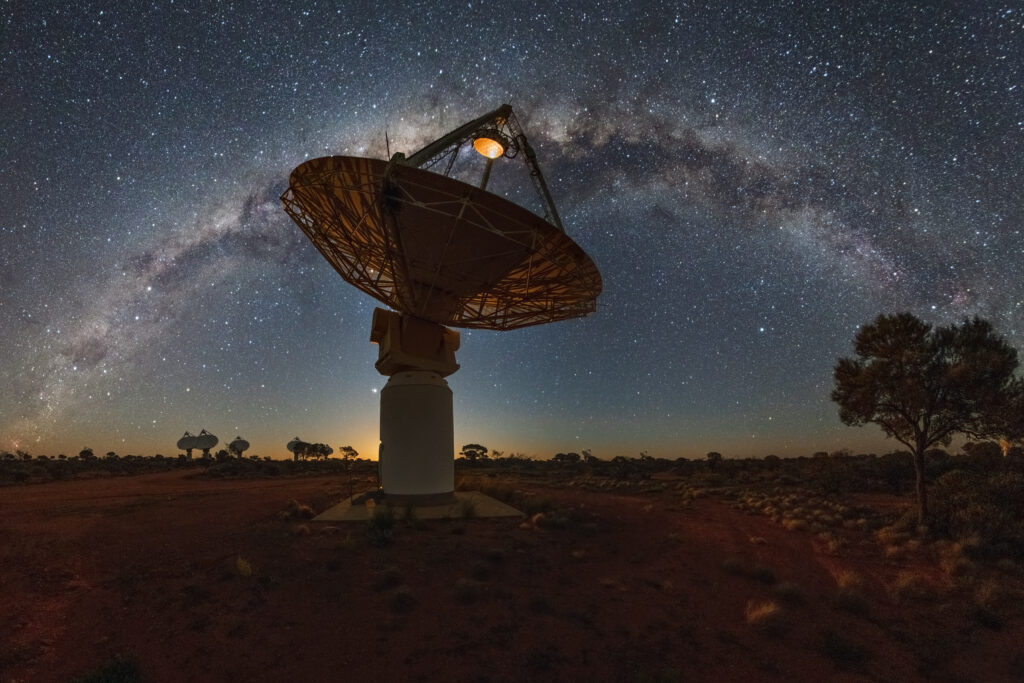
column 439, row 249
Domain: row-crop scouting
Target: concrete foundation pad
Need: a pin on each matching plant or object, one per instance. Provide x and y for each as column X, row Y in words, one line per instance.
column 467, row 504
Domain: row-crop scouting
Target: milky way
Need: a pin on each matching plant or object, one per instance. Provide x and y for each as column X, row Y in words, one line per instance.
column 754, row 181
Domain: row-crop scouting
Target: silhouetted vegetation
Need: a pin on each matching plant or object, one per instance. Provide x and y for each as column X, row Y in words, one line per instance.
column 474, row 453
column 23, row 468
column 26, row 469
column 923, row 385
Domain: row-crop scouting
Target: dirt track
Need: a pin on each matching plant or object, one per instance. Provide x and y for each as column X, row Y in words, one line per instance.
column 633, row 587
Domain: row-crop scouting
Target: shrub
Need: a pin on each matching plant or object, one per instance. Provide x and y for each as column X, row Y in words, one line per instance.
column 297, row 510
column 986, row 616
column 989, row 507
column 410, row 516
column 403, row 601
column 467, row 509
column 117, row 670
column 732, row 566
column 790, row 592
column 389, row 577
column 380, row 526
column 911, row 586
column 850, row 596
column 845, row 654
column 482, row 571
column 762, row 573
column 467, row 591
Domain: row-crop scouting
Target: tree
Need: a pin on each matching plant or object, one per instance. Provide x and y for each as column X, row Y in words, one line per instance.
column 714, row 457
column 473, row 452
column 566, row 458
column 922, row 385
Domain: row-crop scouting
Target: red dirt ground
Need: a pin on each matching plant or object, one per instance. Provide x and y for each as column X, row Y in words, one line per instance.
column 635, row 587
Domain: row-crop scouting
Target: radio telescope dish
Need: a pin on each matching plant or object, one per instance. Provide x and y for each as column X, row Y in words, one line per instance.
column 438, row 248
column 204, row 441
column 440, row 252
column 238, row 446
column 187, row 442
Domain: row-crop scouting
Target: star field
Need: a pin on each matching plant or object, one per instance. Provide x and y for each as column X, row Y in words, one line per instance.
column 754, row 180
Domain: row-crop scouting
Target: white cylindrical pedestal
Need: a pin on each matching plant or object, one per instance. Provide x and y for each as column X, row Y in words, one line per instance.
column 417, row 458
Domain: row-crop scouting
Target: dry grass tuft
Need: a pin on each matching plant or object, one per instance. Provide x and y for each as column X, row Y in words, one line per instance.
column 988, row 598
column 990, row 593
column 912, row 586
column 849, row 579
column 793, row 524
column 766, row 616
column 297, row 510
column 850, row 596
column 955, row 558
column 892, row 536
column 243, row 567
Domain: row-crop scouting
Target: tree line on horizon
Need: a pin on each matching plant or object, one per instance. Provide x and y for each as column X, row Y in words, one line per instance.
column 921, row 384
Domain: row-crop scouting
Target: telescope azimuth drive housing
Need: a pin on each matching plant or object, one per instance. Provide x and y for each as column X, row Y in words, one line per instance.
column 440, row 252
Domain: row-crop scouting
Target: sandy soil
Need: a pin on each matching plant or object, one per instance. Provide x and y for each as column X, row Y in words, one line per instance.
column 632, row 587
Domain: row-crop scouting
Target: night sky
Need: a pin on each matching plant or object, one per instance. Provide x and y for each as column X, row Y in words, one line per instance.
column 753, row 179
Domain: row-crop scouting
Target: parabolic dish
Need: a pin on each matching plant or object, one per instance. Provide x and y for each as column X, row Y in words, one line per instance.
column 205, row 441
column 437, row 248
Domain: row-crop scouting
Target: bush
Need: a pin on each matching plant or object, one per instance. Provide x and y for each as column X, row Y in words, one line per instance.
column 845, row 654
column 989, row 507
column 380, row 526
column 402, row 600
column 389, row 577
column 850, row 596
column 790, row 592
column 911, row 586
column 117, row 670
